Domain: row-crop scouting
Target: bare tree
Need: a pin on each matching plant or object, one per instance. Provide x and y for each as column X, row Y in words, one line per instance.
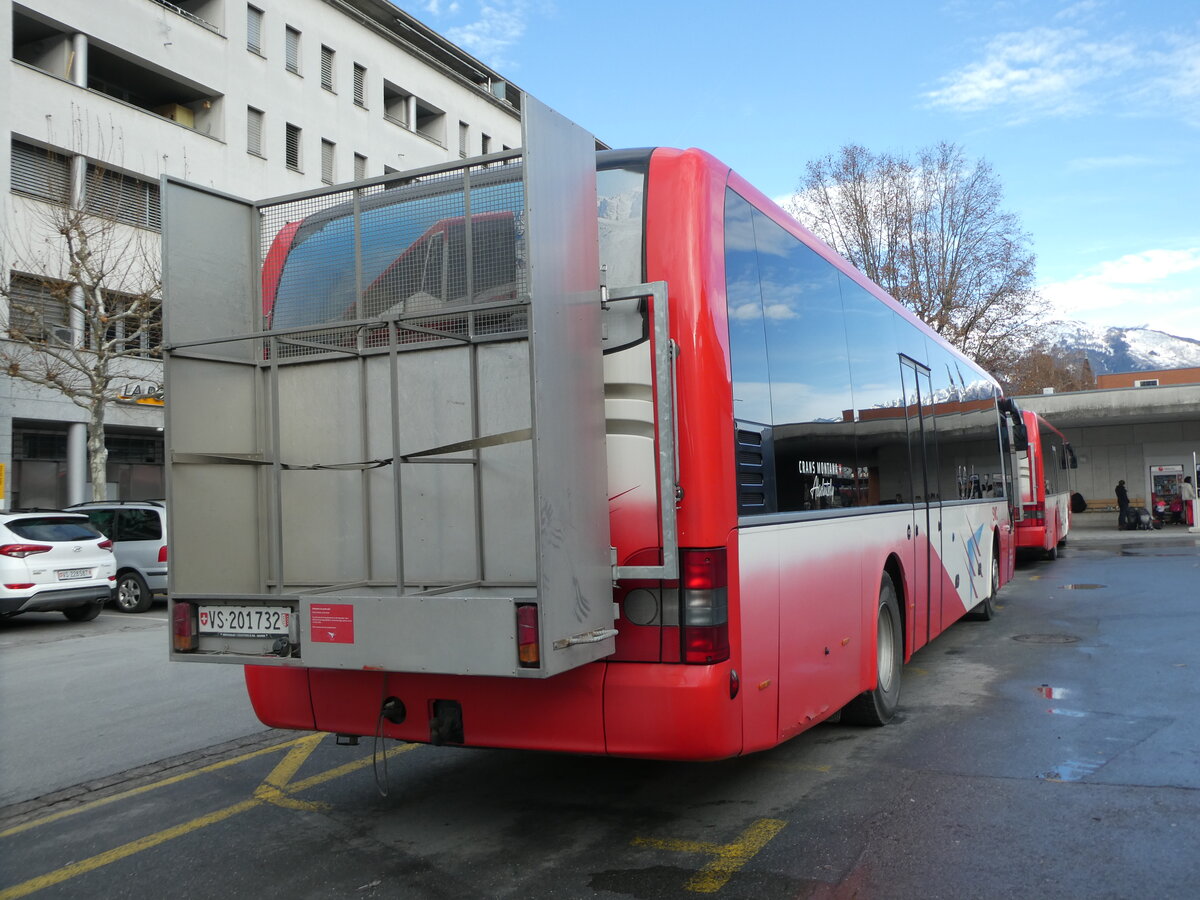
column 83, row 309
column 1046, row 366
column 931, row 232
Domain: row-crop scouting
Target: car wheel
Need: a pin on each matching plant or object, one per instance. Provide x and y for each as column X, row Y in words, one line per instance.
column 132, row 595
column 83, row 613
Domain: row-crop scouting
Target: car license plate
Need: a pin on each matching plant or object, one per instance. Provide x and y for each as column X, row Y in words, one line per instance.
column 245, row 621
column 69, row 574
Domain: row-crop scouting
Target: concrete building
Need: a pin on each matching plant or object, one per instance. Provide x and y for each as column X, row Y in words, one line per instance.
column 254, row 99
column 1147, row 436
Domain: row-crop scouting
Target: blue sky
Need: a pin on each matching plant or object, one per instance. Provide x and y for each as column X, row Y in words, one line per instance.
column 1088, row 110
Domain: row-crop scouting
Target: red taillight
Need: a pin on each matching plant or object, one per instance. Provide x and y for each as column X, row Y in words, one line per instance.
column 184, row 632
column 19, row 587
column 703, row 594
column 1036, row 511
column 105, row 544
column 528, row 652
column 162, row 553
column 20, row 551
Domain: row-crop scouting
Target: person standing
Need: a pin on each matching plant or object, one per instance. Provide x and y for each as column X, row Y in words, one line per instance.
column 1187, row 493
column 1123, row 505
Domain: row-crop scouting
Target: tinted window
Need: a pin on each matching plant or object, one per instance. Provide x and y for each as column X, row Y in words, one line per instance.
column 811, row 404
column 744, row 303
column 620, row 205
column 103, row 520
column 620, row 212
column 54, row 528
column 880, row 429
column 138, row 525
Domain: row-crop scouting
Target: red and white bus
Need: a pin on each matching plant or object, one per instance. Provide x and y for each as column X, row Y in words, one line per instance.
column 843, row 491
column 1043, row 476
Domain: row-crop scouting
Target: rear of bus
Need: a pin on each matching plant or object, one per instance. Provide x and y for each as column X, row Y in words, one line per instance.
column 671, row 688
column 1044, row 484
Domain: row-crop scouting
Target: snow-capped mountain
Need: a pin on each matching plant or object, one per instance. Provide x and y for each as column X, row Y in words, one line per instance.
column 1111, row 350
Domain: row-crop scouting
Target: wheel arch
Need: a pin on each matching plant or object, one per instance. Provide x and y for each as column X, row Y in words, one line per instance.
column 895, row 568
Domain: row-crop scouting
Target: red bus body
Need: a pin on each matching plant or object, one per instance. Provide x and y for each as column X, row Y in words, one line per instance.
column 799, row 590
column 1045, row 492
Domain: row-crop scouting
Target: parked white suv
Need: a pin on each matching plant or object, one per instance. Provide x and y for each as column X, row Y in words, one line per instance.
column 138, row 530
column 54, row 561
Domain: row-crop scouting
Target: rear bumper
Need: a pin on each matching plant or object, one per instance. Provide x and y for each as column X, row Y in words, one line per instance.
column 655, row 711
column 157, row 582
column 54, row 599
column 1031, row 536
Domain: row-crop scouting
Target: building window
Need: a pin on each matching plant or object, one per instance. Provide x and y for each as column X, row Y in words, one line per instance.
column 360, row 85
column 291, row 50
column 122, row 198
column 327, row 150
column 254, row 131
column 37, row 310
column 254, row 23
column 485, row 144
column 41, row 173
column 360, row 167
column 1146, row 382
column 291, row 147
column 430, row 122
column 327, row 68
column 464, row 135
column 395, row 104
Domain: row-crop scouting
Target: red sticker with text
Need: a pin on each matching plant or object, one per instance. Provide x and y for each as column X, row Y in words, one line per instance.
column 331, row 623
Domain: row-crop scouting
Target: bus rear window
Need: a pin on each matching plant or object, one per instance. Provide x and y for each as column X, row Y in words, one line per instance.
column 620, row 206
column 620, row 209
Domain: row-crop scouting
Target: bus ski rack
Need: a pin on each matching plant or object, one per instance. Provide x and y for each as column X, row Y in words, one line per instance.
column 385, row 419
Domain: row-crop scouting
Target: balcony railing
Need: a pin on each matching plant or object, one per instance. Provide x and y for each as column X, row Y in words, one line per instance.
column 187, row 15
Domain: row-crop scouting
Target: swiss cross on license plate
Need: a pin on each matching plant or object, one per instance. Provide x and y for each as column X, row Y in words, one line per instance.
column 245, row 621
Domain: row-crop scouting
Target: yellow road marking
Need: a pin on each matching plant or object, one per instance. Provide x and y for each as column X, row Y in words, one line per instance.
column 276, row 783
column 133, row 792
column 729, row 857
column 275, row 789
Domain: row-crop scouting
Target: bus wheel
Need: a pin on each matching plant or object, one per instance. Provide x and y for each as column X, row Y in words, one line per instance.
column 877, row 706
column 1052, row 553
column 985, row 609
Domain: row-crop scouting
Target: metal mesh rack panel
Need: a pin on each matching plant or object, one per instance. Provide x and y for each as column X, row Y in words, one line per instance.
column 396, row 251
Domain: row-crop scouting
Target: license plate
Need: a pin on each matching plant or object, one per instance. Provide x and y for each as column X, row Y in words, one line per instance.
column 69, row 574
column 244, row 621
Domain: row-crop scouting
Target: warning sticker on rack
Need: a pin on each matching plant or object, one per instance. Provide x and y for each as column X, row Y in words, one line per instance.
column 331, row 623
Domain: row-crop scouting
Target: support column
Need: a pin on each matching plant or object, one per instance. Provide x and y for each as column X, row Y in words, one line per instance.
column 79, row 60
column 77, row 463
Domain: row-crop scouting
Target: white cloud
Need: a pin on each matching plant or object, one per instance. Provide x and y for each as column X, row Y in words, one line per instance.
column 1176, row 86
column 1159, row 288
column 437, row 7
column 499, row 27
column 1038, row 71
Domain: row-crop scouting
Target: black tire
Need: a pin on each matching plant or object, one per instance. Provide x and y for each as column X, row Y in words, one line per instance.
column 1052, row 553
column 131, row 594
column 83, row 613
column 985, row 609
column 878, row 705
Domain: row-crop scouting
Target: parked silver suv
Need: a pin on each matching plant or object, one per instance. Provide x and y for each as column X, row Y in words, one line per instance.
column 138, row 529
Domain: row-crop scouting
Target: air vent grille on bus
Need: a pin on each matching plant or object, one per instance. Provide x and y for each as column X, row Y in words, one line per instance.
column 751, row 473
